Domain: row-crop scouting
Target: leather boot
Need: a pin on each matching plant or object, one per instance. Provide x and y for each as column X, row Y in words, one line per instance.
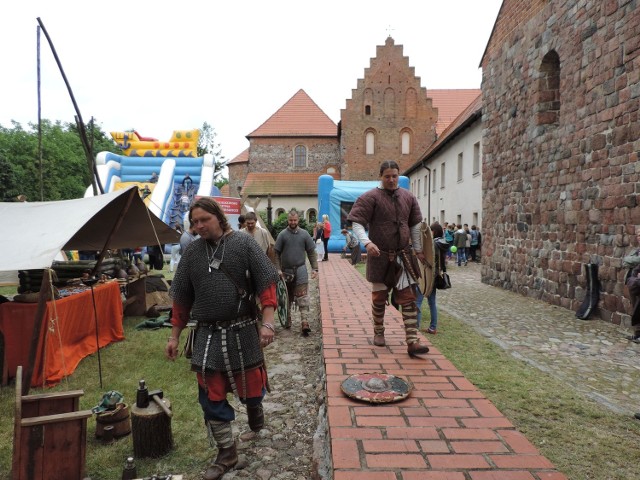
column 225, row 461
column 415, row 349
column 378, row 340
column 256, row 417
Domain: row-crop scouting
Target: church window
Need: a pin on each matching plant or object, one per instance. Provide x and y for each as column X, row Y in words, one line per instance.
column 405, row 142
column 367, row 110
column 370, row 143
column 548, row 95
column 300, row 156
column 368, row 101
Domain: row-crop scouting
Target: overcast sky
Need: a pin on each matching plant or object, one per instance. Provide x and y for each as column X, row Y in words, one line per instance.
column 159, row 66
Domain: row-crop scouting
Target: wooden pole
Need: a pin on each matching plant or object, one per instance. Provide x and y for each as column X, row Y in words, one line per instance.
column 79, row 121
column 133, row 192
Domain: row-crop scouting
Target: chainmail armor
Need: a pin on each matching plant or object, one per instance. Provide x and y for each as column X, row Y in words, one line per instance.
column 215, row 300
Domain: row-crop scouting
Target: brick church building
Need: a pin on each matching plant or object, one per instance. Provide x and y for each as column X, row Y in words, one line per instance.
column 561, row 177
column 389, row 116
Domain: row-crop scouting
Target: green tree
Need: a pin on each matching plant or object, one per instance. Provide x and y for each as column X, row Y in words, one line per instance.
column 207, row 144
column 63, row 167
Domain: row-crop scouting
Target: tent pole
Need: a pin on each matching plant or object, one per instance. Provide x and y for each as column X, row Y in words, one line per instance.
column 132, row 193
column 45, row 288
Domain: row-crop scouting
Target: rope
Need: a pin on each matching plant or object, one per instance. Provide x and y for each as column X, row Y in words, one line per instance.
column 54, row 327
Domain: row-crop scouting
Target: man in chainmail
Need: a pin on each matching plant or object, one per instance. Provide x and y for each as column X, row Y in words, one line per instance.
column 393, row 217
column 292, row 246
column 217, row 282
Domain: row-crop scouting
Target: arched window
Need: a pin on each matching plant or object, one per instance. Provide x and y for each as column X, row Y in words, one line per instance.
column 312, row 215
column 548, row 101
column 370, row 143
column 279, row 211
column 405, row 141
column 300, row 156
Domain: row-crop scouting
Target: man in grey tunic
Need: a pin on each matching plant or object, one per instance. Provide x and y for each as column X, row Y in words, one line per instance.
column 393, row 218
column 292, row 244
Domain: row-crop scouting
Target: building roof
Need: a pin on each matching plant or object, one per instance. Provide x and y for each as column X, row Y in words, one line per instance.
column 450, row 104
column 240, row 158
column 305, row 184
column 299, row 117
column 466, row 117
column 224, row 190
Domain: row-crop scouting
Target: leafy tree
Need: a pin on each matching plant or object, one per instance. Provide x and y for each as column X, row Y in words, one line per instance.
column 207, row 144
column 8, row 182
column 64, row 168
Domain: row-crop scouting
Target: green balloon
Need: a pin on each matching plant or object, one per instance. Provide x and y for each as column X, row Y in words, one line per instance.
column 454, row 249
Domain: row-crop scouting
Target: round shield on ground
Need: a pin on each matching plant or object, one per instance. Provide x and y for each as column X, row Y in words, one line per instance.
column 376, row 387
column 427, row 269
column 283, row 301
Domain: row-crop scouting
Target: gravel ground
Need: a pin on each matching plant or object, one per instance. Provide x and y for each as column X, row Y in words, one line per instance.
column 291, row 446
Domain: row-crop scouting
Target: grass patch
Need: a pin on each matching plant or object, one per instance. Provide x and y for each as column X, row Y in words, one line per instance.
column 582, row 438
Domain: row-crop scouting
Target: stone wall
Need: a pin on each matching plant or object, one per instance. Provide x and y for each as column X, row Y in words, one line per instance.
column 237, row 175
column 276, row 154
column 561, row 176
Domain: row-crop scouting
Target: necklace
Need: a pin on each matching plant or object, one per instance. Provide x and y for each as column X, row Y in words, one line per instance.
column 213, row 261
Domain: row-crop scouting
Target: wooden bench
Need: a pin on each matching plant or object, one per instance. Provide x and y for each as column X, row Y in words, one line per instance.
column 50, row 435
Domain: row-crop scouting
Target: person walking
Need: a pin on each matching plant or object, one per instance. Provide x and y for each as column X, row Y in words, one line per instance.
column 326, row 234
column 292, row 245
column 441, row 247
column 460, row 242
column 216, row 282
column 260, row 235
column 353, row 244
column 393, row 217
column 475, row 243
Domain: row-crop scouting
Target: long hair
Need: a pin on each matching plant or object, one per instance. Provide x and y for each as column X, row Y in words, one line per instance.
column 388, row 164
column 210, row 205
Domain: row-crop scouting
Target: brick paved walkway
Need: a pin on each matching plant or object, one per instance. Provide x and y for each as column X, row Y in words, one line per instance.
column 445, row 430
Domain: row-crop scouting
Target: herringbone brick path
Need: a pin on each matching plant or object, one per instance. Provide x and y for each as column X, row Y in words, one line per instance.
column 445, row 430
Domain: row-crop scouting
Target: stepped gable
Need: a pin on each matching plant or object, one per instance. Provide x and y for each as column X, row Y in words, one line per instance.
column 298, row 117
column 389, row 116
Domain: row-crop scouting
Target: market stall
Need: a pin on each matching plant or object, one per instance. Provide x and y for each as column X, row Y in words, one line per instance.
column 33, row 234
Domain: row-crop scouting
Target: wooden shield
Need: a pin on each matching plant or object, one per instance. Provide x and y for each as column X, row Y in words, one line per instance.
column 376, row 387
column 283, row 302
column 427, row 269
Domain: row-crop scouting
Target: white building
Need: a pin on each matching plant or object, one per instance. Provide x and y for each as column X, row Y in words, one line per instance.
column 447, row 180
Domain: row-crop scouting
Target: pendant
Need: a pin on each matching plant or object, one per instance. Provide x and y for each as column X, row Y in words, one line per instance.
column 215, row 264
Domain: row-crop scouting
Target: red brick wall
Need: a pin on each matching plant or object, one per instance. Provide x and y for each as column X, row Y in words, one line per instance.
column 398, row 101
column 561, row 195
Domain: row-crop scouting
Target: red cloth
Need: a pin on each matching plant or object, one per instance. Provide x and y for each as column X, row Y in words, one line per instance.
column 218, row 384
column 75, row 329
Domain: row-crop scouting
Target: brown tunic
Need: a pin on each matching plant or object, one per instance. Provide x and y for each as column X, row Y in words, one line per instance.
column 389, row 217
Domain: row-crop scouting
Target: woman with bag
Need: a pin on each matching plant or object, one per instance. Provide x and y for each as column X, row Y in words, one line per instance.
column 441, row 249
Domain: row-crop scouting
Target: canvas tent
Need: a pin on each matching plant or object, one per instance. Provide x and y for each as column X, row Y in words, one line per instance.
column 33, row 233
